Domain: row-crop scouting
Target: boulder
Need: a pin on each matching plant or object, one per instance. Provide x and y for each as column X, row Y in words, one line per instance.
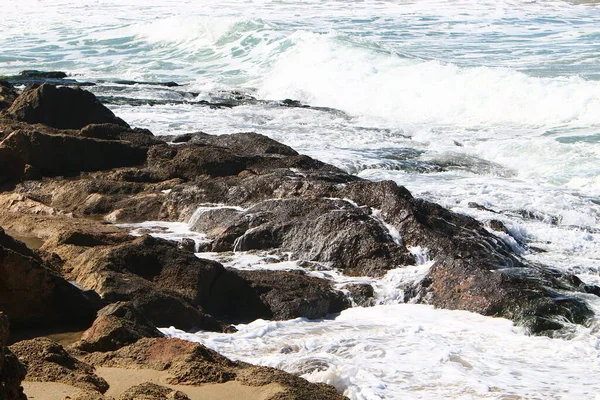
column 139, row 137
column 330, row 231
column 244, row 144
column 193, row 364
column 61, row 107
column 191, row 161
column 362, row 294
column 54, row 155
column 12, row 166
column 292, row 294
column 48, row 361
column 117, row 325
column 12, row 372
column 474, row 270
column 34, row 296
column 152, row 391
column 166, row 284
column 8, row 94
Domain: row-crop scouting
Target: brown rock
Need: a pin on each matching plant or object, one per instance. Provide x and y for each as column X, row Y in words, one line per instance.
column 34, row 296
column 117, row 325
column 193, row 364
column 12, row 166
column 152, row 391
column 12, row 371
column 54, row 155
column 61, row 107
column 8, row 94
column 48, row 361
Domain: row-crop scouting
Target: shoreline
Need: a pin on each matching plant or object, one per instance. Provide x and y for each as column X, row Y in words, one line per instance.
column 68, row 177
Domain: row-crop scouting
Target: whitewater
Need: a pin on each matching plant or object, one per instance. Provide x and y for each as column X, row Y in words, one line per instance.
column 490, row 108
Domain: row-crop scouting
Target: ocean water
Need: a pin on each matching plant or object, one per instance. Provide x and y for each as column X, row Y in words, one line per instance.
column 489, row 102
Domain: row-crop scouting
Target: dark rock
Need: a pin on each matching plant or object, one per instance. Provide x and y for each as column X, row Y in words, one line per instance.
column 190, row 161
column 499, row 226
column 12, row 372
column 324, row 230
column 474, row 270
column 168, row 285
column 188, row 244
column 293, row 294
column 35, row 297
column 152, row 391
column 362, row 294
column 8, row 94
column 43, row 74
column 47, row 361
column 61, row 107
column 167, row 84
column 117, row 325
column 139, row 137
column 12, row 166
column 244, row 144
column 56, row 155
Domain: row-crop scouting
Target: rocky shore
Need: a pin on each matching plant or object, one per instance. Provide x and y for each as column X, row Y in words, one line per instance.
column 84, row 298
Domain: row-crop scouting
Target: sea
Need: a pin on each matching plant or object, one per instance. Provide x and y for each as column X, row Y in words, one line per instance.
column 490, row 108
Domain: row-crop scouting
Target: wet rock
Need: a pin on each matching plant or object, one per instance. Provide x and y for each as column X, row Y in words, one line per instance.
column 152, row 391
column 362, row 294
column 43, row 74
column 47, row 361
column 61, row 107
column 324, row 230
column 473, row 270
column 55, row 155
column 117, row 325
column 12, row 372
column 34, row 296
column 167, row 84
column 294, row 294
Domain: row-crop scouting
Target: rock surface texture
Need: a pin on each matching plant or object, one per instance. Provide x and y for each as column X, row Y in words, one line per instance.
column 12, row 372
column 69, row 175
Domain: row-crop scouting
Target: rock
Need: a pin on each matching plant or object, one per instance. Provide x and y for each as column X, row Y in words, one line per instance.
column 12, row 166
column 244, row 144
column 139, row 137
column 61, row 107
column 89, row 395
column 294, row 294
column 193, row 364
column 191, row 161
column 117, row 325
column 152, row 391
column 473, row 270
column 35, row 297
column 47, row 361
column 43, row 74
column 168, row 285
column 8, row 94
column 362, row 294
column 324, row 230
column 54, row 155
column 12, row 372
